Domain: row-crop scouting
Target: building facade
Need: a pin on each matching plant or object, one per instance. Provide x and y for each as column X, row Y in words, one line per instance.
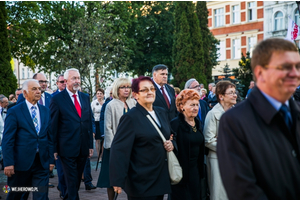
column 239, row 25
column 277, row 16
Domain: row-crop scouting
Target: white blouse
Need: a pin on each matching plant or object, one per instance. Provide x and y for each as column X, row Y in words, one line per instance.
column 96, row 108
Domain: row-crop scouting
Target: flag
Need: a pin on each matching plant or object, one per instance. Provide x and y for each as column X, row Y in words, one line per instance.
column 293, row 31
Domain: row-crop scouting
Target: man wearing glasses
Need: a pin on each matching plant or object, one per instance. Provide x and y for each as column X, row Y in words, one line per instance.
column 259, row 139
column 46, row 97
column 61, row 84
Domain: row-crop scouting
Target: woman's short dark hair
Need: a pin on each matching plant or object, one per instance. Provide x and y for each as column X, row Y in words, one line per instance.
column 221, row 88
column 135, row 86
column 184, row 96
column 100, row 90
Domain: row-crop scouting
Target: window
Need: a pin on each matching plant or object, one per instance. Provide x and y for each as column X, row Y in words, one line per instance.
column 28, row 73
column 235, row 14
column 251, row 11
column 251, row 44
column 236, row 45
column 219, row 17
column 23, row 73
column 278, row 21
column 297, row 17
column 221, row 51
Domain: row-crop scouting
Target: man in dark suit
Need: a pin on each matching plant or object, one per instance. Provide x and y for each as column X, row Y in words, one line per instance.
column 46, row 97
column 203, row 108
column 71, row 120
column 61, row 84
column 27, row 144
column 259, row 139
column 165, row 94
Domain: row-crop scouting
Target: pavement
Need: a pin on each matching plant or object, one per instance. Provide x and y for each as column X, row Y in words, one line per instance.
column 98, row 193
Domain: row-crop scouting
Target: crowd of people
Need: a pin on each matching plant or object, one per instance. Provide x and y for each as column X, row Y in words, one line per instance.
column 226, row 150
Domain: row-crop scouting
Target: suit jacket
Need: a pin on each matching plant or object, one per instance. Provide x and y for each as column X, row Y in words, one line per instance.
column 258, row 155
column 47, row 99
column 138, row 159
column 212, row 100
column 73, row 136
column 20, row 139
column 160, row 101
column 204, row 110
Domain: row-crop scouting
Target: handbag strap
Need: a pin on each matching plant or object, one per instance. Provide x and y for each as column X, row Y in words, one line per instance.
column 157, row 129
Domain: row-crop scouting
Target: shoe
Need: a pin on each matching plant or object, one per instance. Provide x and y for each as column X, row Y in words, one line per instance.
column 51, row 185
column 60, row 196
column 90, row 186
column 51, row 175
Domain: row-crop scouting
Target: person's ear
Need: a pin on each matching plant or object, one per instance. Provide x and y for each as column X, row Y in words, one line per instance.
column 258, row 72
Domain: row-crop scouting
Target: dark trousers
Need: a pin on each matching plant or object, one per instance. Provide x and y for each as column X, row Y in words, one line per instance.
column 36, row 176
column 73, row 168
column 161, row 197
column 87, row 172
column 62, row 186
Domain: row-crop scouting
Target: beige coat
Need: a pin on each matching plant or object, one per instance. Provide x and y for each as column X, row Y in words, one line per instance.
column 217, row 191
column 113, row 113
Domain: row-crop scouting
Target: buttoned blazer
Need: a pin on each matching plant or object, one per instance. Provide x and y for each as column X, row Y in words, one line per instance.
column 20, row 139
column 160, row 101
column 137, row 155
column 73, row 136
column 258, row 155
column 113, row 113
column 47, row 99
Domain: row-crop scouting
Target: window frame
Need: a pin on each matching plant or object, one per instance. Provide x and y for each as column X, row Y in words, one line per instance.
column 236, row 14
column 253, row 11
column 219, row 17
column 278, row 19
column 251, row 46
column 296, row 16
column 222, row 51
column 236, row 48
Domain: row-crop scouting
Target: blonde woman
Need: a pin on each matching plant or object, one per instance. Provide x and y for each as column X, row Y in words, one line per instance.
column 115, row 109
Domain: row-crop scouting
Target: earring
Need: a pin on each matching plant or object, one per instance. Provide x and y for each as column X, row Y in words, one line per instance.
column 183, row 110
column 222, row 99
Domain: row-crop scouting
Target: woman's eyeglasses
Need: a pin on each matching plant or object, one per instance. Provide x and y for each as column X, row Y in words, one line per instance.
column 125, row 87
column 146, row 90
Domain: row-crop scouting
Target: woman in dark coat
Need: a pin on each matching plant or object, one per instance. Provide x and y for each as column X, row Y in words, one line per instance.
column 138, row 160
column 190, row 146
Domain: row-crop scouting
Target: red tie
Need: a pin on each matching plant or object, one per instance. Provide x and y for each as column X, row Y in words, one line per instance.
column 165, row 96
column 77, row 106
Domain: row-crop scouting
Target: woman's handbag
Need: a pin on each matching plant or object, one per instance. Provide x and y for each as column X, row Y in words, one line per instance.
column 175, row 170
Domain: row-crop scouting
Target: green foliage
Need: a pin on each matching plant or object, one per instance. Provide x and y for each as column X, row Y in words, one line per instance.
column 188, row 53
column 8, row 81
column 151, row 31
column 209, row 41
column 244, row 72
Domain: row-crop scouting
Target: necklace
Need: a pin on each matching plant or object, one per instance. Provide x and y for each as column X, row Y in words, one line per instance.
column 194, row 128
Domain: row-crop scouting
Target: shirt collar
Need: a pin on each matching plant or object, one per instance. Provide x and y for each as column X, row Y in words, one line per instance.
column 29, row 105
column 71, row 93
column 158, row 85
column 276, row 104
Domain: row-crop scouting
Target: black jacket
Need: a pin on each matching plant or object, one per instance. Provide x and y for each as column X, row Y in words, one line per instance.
column 258, row 155
column 181, row 129
column 138, row 159
column 160, row 101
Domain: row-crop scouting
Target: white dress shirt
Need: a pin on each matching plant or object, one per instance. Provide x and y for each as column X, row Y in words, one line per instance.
column 72, row 98
column 164, row 88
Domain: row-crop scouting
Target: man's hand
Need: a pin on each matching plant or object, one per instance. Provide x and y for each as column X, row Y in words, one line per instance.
column 91, row 152
column 51, row 167
column 55, row 156
column 117, row 189
column 9, row 171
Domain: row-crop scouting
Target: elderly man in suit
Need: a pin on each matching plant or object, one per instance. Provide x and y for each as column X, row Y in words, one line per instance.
column 71, row 120
column 3, row 106
column 165, row 94
column 259, row 140
column 27, row 144
column 45, row 97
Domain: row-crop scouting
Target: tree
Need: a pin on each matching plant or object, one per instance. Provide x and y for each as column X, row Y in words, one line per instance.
column 8, row 81
column 209, row 41
column 152, row 32
column 188, row 53
column 244, row 72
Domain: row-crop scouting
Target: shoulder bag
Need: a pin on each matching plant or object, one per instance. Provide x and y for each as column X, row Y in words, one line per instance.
column 175, row 170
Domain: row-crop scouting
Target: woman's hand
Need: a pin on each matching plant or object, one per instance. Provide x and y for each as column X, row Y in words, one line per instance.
column 117, row 189
column 168, row 146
